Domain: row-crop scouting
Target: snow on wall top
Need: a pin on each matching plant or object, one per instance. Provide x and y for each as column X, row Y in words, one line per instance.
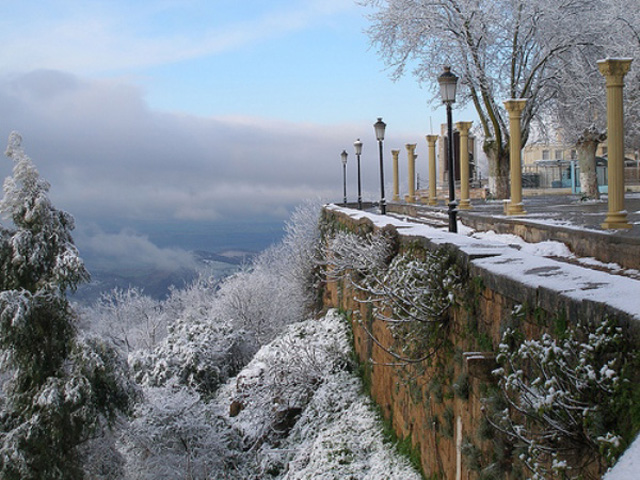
column 628, row 466
column 573, row 281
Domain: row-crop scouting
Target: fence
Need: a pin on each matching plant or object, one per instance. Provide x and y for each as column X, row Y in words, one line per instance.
column 561, row 174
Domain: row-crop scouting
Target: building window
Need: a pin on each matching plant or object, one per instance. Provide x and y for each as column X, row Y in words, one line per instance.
column 574, row 155
column 545, row 154
column 558, row 154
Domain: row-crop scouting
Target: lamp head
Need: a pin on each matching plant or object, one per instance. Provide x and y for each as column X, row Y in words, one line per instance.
column 358, row 146
column 379, row 127
column 448, row 83
column 344, row 156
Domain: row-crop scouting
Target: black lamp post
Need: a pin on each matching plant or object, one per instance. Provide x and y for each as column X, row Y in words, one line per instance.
column 379, row 127
column 358, row 147
column 448, row 83
column 344, row 156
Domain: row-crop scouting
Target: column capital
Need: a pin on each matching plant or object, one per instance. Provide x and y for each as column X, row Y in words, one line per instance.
column 464, row 127
column 432, row 139
column 411, row 147
column 515, row 106
column 614, row 69
column 395, row 153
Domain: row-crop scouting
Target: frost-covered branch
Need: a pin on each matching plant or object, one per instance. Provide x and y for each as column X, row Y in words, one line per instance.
column 561, row 395
column 410, row 294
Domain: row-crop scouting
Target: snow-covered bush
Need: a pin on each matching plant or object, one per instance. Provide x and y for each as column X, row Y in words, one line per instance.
column 414, row 297
column 358, row 259
column 562, row 398
column 59, row 390
column 175, row 434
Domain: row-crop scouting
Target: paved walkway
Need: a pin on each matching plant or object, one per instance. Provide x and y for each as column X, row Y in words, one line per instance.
column 568, row 210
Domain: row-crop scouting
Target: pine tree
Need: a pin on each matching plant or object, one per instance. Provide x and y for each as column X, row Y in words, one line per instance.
column 59, row 389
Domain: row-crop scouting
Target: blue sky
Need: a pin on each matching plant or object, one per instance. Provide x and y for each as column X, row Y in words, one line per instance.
column 301, row 61
column 192, row 113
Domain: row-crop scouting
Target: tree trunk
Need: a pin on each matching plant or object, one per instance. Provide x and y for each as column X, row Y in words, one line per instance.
column 586, row 147
column 498, row 170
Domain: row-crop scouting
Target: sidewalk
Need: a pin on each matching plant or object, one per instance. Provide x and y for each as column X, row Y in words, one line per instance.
column 568, row 210
column 562, row 218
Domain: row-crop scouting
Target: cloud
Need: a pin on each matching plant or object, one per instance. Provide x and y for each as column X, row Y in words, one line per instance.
column 114, row 163
column 94, row 37
column 108, row 156
column 128, row 251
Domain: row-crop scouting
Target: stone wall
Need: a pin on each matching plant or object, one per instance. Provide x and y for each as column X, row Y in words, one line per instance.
column 437, row 403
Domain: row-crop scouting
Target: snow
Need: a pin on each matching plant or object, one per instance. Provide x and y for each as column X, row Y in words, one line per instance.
column 628, row 466
column 526, row 263
column 337, row 434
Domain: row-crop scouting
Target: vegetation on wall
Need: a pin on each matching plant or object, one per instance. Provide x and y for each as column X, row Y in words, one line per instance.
column 564, row 397
column 411, row 293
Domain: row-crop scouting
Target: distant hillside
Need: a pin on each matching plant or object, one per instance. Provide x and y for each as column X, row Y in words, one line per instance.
column 232, row 257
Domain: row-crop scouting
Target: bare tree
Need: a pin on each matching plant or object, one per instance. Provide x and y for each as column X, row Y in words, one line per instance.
column 579, row 102
column 501, row 49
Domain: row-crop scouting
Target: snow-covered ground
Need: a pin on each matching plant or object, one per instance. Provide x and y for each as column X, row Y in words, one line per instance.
column 303, row 413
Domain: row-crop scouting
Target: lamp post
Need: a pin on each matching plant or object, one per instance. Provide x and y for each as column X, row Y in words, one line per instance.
column 379, row 127
column 448, row 83
column 344, row 156
column 358, row 147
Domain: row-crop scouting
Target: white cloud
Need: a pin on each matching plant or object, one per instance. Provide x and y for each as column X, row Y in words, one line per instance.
column 108, row 156
column 90, row 37
column 130, row 252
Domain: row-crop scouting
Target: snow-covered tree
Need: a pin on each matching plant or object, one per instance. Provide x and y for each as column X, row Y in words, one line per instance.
column 279, row 287
column 59, row 390
column 128, row 318
column 578, row 106
column 199, row 352
column 501, row 49
column 175, row 434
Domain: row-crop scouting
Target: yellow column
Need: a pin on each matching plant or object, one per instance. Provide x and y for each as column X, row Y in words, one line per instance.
column 396, row 193
column 515, row 107
column 614, row 71
column 411, row 149
column 463, row 129
column 431, row 141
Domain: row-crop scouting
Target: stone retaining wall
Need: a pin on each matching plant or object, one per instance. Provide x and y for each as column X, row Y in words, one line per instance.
column 425, row 403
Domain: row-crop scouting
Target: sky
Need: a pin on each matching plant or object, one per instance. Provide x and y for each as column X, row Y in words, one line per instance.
column 199, row 123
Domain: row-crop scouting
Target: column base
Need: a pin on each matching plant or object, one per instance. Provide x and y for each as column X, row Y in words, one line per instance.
column 395, row 198
column 465, row 205
column 433, row 202
column 616, row 220
column 410, row 199
column 515, row 209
